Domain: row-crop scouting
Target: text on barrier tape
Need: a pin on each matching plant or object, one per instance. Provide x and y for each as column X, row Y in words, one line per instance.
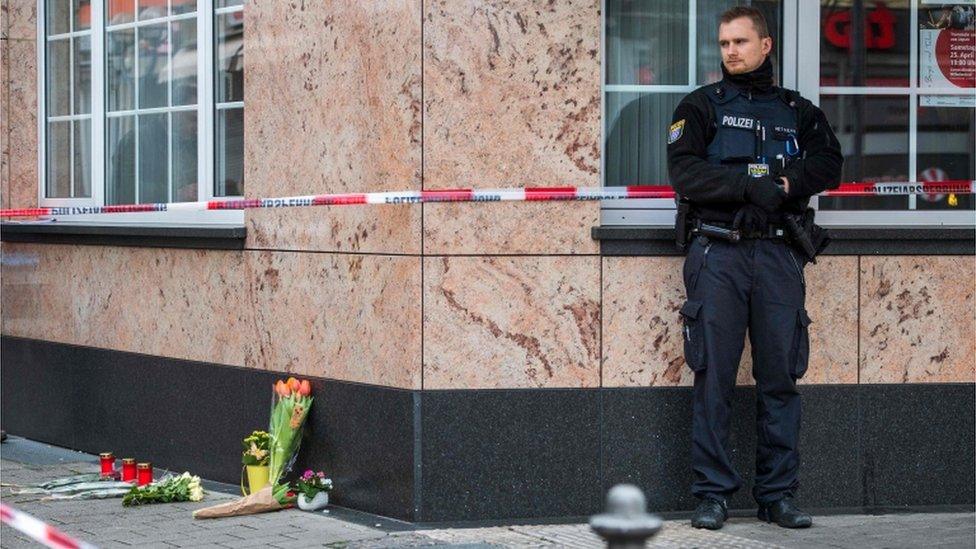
column 525, row 194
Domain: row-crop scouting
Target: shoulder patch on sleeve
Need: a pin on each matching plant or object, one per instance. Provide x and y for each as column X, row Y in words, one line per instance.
column 676, row 130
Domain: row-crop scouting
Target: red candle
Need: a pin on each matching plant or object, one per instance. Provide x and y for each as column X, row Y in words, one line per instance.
column 128, row 469
column 108, row 463
column 144, row 473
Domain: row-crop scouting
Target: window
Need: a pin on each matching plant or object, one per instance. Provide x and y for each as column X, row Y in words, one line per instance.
column 143, row 102
column 896, row 81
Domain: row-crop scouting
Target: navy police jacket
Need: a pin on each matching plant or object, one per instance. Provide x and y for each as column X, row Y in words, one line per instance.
column 741, row 127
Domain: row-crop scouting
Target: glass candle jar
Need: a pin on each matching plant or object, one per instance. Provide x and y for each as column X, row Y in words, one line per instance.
column 144, row 473
column 128, row 469
column 107, row 460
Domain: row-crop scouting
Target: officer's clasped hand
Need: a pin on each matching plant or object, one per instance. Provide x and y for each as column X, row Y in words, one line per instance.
column 765, row 193
column 750, row 219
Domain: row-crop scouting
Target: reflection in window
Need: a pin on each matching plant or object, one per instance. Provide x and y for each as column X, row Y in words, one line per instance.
column 946, row 150
column 873, row 134
column 865, row 43
column 68, row 88
column 647, row 43
column 229, row 90
column 151, row 107
column 636, row 146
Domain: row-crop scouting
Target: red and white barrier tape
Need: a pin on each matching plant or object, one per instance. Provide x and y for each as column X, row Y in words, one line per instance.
column 526, row 194
column 40, row 531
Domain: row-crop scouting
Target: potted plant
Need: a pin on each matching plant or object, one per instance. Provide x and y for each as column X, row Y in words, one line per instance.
column 255, row 459
column 313, row 490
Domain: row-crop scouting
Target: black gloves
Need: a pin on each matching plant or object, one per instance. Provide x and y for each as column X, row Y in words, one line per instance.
column 751, row 219
column 765, row 193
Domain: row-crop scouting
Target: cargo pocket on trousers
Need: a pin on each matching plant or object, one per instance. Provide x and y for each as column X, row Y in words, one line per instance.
column 801, row 351
column 693, row 335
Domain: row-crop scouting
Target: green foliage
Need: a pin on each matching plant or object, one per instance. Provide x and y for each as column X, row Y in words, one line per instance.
column 256, row 448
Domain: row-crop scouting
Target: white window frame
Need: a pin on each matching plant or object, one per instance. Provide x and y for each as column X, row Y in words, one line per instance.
column 206, row 114
column 801, row 26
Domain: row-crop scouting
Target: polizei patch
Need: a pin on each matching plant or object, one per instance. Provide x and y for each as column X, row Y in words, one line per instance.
column 741, row 122
column 676, row 130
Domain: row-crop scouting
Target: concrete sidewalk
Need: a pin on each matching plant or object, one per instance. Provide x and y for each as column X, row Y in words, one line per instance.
column 106, row 523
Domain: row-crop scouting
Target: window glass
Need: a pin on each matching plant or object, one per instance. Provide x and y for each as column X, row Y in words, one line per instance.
column 59, row 77
column 865, row 43
column 183, row 164
column 647, row 44
column 153, row 174
column 59, row 159
column 229, row 92
column 893, row 135
column 153, row 65
column 946, row 148
column 120, row 160
column 82, row 158
column 184, row 63
column 230, row 152
column 120, row 67
column 873, row 135
column 81, row 66
column 67, row 105
column 230, row 57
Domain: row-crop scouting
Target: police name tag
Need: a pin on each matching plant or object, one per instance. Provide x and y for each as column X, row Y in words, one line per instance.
column 758, row 170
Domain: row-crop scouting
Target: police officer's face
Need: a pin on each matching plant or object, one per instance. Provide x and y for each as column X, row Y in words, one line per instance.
column 742, row 49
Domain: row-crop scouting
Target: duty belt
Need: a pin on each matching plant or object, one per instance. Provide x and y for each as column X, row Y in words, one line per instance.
column 724, row 231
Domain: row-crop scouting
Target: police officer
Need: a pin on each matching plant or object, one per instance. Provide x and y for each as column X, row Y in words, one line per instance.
column 743, row 154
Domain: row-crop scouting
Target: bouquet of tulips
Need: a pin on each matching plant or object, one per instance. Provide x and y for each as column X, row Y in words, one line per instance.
column 292, row 399
column 292, row 402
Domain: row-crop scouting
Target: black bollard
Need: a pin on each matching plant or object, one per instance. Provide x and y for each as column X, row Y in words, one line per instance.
column 626, row 524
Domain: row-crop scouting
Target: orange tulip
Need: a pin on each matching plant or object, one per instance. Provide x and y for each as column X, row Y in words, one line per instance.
column 282, row 389
column 305, row 388
column 293, row 384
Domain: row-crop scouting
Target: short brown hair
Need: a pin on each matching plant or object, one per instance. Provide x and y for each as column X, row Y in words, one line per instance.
column 758, row 21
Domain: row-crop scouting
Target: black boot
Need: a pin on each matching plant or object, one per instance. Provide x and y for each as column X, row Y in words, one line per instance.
column 711, row 514
column 785, row 513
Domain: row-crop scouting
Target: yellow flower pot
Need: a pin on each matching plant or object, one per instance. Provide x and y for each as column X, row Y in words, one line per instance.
column 257, row 477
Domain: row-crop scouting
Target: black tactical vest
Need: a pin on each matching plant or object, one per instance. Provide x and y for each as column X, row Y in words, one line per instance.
column 755, row 134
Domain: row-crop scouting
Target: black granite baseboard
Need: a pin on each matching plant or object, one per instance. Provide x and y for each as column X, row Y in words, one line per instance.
column 475, row 455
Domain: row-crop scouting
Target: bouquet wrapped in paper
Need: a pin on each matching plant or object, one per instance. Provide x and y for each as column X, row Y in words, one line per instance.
column 292, row 399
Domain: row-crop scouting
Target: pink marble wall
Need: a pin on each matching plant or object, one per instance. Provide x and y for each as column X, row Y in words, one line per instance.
column 339, row 316
column 511, row 98
column 917, row 319
column 175, row 303
column 505, row 322
column 332, row 104
column 642, row 341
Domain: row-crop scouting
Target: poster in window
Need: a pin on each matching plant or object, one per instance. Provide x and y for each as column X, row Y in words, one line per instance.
column 947, row 52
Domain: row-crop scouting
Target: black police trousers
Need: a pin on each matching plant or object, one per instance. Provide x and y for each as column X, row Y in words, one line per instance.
column 759, row 285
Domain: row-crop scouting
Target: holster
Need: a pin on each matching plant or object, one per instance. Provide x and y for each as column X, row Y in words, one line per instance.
column 682, row 224
column 805, row 236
